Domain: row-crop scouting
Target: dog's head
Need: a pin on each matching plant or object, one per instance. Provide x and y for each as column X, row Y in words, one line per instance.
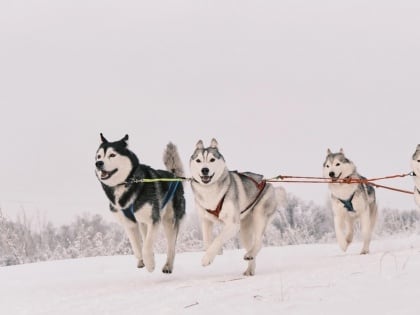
column 415, row 161
column 207, row 164
column 337, row 166
column 114, row 161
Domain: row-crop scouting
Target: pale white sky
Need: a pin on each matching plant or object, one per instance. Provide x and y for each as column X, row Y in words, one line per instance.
column 276, row 82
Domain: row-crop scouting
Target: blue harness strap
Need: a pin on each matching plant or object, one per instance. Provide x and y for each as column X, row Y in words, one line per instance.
column 170, row 193
column 129, row 212
column 348, row 203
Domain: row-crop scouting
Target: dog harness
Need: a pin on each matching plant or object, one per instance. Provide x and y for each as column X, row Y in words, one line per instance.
column 348, row 203
column 170, row 193
column 129, row 211
column 216, row 211
column 260, row 186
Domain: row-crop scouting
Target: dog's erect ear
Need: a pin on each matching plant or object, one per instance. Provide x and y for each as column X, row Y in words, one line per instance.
column 103, row 139
column 199, row 145
column 418, row 147
column 328, row 151
column 125, row 139
column 341, row 151
column 214, row 143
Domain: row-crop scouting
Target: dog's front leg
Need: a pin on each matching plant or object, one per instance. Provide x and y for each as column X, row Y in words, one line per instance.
column 133, row 233
column 148, row 255
column 230, row 229
column 339, row 227
column 365, row 225
column 207, row 231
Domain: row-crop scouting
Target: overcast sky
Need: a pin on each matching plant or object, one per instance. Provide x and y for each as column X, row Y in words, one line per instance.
column 275, row 82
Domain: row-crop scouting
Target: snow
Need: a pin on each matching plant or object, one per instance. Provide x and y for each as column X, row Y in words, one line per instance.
column 302, row 279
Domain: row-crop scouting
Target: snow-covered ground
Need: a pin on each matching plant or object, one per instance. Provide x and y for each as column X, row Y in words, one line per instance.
column 304, row 279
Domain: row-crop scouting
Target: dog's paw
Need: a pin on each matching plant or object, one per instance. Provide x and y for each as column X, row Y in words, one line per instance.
column 343, row 245
column 248, row 256
column 207, row 260
column 364, row 252
column 140, row 263
column 149, row 263
column 150, row 267
column 249, row 272
column 167, row 269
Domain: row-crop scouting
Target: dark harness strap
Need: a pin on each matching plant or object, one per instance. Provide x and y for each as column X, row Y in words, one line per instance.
column 129, row 211
column 216, row 211
column 348, row 203
column 260, row 185
column 170, row 193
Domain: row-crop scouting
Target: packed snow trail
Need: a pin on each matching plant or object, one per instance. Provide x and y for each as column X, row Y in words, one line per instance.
column 303, row 279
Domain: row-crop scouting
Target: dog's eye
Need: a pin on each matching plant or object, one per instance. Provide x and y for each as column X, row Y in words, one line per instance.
column 198, row 161
column 98, row 157
column 418, row 161
column 338, row 164
column 212, row 160
column 112, row 155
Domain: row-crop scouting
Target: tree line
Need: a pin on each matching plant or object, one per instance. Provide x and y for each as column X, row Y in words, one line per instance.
column 300, row 222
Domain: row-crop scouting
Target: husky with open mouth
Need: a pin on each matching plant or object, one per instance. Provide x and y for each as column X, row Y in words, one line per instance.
column 349, row 202
column 141, row 206
column 242, row 202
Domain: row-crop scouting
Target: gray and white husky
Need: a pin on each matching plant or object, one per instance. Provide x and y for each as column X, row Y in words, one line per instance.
column 141, row 206
column 349, row 201
column 242, row 202
column 415, row 165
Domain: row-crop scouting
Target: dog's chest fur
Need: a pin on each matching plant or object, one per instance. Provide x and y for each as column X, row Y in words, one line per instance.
column 122, row 198
column 343, row 191
column 209, row 196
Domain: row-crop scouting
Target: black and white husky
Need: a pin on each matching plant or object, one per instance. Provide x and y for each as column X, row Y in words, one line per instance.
column 242, row 202
column 140, row 206
column 349, row 201
column 415, row 165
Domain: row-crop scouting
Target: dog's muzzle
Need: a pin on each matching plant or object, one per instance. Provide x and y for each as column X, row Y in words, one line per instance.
column 333, row 177
column 206, row 178
column 103, row 174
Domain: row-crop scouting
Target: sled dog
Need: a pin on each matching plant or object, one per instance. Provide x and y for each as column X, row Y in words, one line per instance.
column 140, row 206
column 242, row 202
column 349, row 201
column 415, row 165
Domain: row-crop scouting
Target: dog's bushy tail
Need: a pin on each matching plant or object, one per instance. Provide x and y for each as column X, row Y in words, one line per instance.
column 172, row 160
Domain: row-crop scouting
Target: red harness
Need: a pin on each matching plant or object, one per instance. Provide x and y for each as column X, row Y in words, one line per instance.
column 260, row 186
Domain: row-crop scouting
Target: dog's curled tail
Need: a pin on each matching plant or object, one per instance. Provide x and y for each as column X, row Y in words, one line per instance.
column 281, row 197
column 172, row 160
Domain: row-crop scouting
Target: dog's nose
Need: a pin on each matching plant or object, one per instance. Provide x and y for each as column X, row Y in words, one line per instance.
column 331, row 174
column 205, row 171
column 99, row 164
